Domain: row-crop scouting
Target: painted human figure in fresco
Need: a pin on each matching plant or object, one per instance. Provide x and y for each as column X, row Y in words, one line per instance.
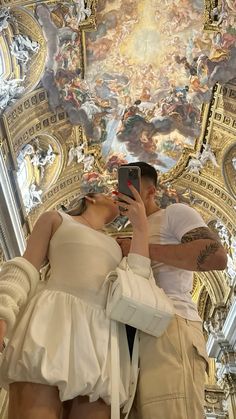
column 189, row 67
column 5, row 18
column 98, row 50
column 76, row 153
column 231, row 5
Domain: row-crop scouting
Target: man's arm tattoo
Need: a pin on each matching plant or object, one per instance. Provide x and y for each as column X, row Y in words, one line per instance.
column 210, row 249
column 198, row 234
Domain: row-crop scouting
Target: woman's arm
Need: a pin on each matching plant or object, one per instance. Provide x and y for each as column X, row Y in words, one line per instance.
column 38, row 242
column 19, row 276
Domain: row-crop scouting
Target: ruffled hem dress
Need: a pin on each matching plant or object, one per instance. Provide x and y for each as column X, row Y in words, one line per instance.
column 63, row 338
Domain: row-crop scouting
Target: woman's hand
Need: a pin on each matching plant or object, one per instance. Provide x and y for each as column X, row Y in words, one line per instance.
column 3, row 329
column 134, row 209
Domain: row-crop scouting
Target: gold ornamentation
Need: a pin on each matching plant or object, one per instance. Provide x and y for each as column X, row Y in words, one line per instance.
column 229, row 170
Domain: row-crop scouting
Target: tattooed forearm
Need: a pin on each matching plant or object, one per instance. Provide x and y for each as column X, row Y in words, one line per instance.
column 210, row 249
column 198, row 234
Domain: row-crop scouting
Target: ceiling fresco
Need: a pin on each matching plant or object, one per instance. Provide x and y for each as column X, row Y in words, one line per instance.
column 150, row 66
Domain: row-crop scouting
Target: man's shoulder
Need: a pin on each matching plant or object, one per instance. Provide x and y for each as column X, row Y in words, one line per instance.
column 182, row 213
column 177, row 207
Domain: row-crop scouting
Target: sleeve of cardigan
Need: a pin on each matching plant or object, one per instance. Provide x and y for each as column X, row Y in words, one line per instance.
column 140, row 265
column 18, row 281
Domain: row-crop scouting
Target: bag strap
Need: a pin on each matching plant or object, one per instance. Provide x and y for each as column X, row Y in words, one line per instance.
column 134, row 376
column 115, row 372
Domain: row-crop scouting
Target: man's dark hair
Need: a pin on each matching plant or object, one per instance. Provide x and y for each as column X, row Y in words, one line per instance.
column 147, row 171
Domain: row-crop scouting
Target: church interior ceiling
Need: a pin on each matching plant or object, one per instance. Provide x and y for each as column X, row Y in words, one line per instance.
column 88, row 85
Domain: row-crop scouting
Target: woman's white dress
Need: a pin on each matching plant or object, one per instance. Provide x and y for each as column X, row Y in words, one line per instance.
column 62, row 338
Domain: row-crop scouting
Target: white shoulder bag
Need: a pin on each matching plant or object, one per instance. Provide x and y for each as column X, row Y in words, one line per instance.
column 138, row 302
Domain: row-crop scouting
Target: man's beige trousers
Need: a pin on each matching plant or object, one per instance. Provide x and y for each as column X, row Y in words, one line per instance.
column 172, row 373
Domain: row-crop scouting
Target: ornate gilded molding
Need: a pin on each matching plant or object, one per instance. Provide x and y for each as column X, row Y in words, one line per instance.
column 229, row 169
column 2, row 257
column 215, row 405
column 216, row 286
column 29, row 117
column 214, row 200
column 204, row 303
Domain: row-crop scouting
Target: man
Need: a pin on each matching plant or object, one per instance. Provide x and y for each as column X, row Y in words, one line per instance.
column 172, row 367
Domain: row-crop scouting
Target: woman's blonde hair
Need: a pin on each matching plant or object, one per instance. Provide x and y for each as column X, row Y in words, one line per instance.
column 79, row 205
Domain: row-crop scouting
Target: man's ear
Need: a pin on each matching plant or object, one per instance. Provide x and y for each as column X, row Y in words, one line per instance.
column 90, row 199
column 151, row 192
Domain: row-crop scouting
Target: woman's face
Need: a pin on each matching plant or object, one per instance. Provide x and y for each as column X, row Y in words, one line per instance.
column 108, row 202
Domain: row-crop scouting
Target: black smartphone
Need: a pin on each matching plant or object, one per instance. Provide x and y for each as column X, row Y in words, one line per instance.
column 128, row 174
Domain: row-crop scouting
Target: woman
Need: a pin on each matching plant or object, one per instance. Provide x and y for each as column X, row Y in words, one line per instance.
column 59, row 349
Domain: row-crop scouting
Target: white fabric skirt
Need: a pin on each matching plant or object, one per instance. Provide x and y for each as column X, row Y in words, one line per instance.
column 63, row 341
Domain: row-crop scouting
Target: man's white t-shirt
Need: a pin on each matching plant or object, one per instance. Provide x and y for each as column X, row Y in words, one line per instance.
column 168, row 226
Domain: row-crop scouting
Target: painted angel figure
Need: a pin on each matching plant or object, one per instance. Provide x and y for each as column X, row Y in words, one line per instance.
column 4, row 94
column 195, row 165
column 4, row 18
column 26, row 42
column 22, row 46
column 218, row 14
column 234, row 162
column 19, row 54
column 33, row 197
column 4, row 100
column 77, row 152
column 28, row 150
column 90, row 108
column 233, row 247
column 14, row 87
column 88, row 163
column 231, row 268
column 71, row 155
column 82, row 12
column 223, row 233
column 208, row 154
column 9, row 89
column 50, row 155
column 207, row 325
column 41, row 158
column 35, row 194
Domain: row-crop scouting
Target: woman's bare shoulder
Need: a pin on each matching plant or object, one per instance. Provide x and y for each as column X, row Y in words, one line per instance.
column 49, row 220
